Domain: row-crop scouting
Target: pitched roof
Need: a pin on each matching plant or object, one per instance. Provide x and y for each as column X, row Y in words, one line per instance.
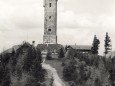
column 42, row 46
column 54, row 46
column 81, row 47
column 49, row 47
column 16, row 47
column 10, row 49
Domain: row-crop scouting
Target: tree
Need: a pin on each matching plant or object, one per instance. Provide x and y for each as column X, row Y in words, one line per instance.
column 28, row 60
column 13, row 52
column 61, row 53
column 36, row 70
column 69, row 71
column 4, row 76
column 39, row 55
column 97, row 82
column 107, row 44
column 95, row 45
column 66, row 48
column 48, row 56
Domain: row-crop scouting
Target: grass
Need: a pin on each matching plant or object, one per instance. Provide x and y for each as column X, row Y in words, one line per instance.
column 56, row 63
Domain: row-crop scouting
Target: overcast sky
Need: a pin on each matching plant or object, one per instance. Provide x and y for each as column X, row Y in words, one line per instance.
column 78, row 21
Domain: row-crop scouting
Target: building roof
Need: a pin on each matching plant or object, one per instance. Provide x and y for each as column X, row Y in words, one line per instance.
column 11, row 49
column 54, row 47
column 81, row 47
column 49, row 47
column 42, row 46
column 16, row 47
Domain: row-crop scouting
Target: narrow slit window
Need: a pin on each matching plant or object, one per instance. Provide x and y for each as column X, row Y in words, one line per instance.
column 50, row 4
column 49, row 30
column 49, row 17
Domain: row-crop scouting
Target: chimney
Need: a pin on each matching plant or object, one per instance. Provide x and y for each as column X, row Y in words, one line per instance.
column 33, row 43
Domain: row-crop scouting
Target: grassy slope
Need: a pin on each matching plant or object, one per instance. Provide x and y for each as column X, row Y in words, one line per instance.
column 57, row 64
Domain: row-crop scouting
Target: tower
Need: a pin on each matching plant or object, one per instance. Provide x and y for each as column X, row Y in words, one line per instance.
column 50, row 22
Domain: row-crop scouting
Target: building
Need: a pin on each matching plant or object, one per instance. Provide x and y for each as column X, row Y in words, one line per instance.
column 50, row 22
column 50, row 28
column 54, row 48
column 81, row 48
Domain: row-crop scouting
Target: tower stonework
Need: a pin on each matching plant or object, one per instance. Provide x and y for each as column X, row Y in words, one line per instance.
column 50, row 22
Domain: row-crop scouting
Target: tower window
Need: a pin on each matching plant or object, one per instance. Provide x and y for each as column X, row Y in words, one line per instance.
column 49, row 17
column 49, row 29
column 50, row 4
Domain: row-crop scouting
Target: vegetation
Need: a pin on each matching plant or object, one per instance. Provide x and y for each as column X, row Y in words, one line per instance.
column 107, row 44
column 4, row 76
column 49, row 56
column 89, row 70
column 66, row 48
column 22, row 67
column 95, row 46
column 61, row 53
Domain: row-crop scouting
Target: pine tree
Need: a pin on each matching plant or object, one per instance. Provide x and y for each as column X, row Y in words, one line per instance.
column 28, row 60
column 66, row 48
column 13, row 52
column 95, row 45
column 48, row 56
column 107, row 44
column 61, row 53
column 36, row 70
column 4, row 76
column 39, row 55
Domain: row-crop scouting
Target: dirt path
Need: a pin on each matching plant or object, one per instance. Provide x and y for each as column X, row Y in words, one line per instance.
column 57, row 81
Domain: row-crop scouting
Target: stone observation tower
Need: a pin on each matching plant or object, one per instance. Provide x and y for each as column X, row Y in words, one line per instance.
column 50, row 22
column 50, row 31
column 50, row 28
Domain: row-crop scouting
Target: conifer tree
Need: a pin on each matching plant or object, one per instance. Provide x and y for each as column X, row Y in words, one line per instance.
column 95, row 45
column 39, row 55
column 49, row 56
column 66, row 48
column 61, row 53
column 107, row 44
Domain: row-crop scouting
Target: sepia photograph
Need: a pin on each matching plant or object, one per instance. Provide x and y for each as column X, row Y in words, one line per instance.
column 57, row 42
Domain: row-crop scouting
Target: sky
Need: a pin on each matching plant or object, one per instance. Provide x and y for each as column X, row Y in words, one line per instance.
column 78, row 22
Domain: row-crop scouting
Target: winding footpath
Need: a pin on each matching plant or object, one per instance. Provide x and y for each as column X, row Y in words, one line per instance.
column 57, row 81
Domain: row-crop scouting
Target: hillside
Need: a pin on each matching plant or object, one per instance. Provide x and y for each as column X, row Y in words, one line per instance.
column 24, row 66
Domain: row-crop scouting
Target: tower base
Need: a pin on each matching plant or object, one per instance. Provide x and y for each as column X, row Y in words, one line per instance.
column 50, row 39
